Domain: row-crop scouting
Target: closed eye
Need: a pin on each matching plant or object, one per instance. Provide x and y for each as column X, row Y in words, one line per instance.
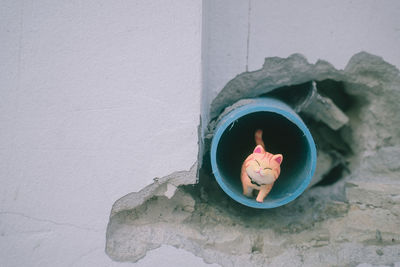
column 258, row 162
column 267, row 169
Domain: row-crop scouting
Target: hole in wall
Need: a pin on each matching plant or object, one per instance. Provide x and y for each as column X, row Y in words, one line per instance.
column 328, row 141
column 202, row 219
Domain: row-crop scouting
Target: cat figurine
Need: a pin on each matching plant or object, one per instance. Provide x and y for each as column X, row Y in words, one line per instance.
column 260, row 170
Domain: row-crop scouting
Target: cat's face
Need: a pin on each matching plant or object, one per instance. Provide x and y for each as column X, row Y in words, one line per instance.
column 263, row 167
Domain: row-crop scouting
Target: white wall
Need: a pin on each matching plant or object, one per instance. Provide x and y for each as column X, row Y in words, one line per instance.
column 240, row 34
column 97, row 98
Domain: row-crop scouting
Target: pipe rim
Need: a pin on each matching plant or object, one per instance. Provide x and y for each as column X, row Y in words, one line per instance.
column 262, row 105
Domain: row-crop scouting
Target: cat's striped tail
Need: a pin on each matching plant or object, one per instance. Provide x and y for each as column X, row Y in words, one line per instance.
column 258, row 138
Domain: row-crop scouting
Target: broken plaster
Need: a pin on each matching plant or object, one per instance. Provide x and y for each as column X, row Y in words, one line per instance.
column 352, row 221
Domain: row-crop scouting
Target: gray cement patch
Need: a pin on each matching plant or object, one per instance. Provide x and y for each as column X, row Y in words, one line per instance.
column 352, row 221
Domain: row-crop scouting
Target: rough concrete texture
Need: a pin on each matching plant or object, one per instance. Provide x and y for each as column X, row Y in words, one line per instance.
column 276, row 73
column 351, row 218
column 165, row 186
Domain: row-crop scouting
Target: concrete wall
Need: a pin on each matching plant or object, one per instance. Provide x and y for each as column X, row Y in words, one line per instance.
column 97, row 98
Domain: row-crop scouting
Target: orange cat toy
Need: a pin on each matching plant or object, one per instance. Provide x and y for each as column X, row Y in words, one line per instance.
column 260, row 170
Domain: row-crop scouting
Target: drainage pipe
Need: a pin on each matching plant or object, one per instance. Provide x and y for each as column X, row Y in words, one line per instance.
column 283, row 133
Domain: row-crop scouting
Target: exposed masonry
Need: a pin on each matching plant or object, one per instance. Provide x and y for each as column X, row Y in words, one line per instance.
column 351, row 215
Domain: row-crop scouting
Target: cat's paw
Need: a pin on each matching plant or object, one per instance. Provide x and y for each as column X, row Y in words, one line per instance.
column 248, row 193
column 259, row 200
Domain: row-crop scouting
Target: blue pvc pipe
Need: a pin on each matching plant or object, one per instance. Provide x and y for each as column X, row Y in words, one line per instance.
column 283, row 132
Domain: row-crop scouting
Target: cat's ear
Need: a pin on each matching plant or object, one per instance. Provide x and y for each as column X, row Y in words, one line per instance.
column 259, row 150
column 278, row 158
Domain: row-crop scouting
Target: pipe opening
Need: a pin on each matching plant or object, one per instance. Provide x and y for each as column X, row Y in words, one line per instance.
column 282, row 134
